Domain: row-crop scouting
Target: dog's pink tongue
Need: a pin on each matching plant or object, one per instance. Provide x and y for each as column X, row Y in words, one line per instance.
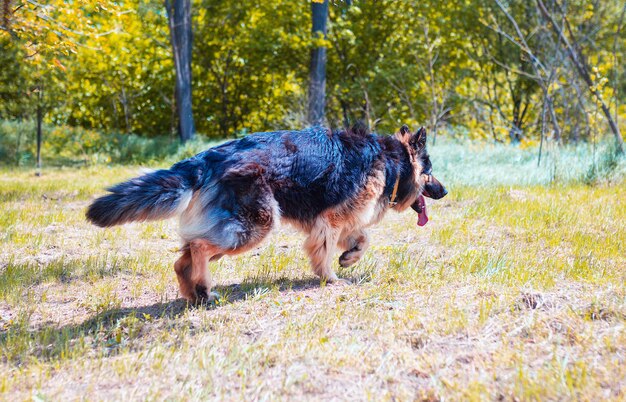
column 423, row 217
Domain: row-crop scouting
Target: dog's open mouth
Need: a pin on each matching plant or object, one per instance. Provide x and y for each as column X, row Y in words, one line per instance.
column 419, row 206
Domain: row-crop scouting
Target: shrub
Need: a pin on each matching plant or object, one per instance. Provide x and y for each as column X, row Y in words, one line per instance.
column 63, row 145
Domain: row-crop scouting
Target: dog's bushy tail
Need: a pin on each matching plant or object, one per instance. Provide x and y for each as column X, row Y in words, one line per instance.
column 156, row 195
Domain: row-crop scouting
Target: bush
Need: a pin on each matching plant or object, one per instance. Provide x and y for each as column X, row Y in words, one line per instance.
column 63, row 145
column 609, row 165
column 15, row 141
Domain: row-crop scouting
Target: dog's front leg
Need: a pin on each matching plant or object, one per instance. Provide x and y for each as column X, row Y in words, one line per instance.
column 320, row 246
column 354, row 243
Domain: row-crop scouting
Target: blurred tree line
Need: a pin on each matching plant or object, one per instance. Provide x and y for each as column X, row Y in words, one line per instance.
column 511, row 70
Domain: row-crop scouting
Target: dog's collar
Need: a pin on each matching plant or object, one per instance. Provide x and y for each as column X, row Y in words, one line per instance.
column 392, row 199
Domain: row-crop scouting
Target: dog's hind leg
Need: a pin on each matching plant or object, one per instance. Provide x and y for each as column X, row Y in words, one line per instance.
column 320, row 246
column 192, row 270
column 355, row 243
column 229, row 217
column 182, row 267
column 202, row 252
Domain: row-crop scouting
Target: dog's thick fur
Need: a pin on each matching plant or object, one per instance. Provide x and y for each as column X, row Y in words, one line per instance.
column 331, row 185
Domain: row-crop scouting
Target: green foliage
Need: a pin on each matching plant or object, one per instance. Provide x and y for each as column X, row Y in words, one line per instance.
column 66, row 145
column 380, row 70
column 108, row 66
column 11, row 103
column 250, row 65
column 123, row 78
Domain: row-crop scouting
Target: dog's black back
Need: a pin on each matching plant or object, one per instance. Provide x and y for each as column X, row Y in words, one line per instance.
column 308, row 171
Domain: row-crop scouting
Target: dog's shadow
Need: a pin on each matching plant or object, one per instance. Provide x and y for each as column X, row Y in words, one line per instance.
column 250, row 289
column 104, row 325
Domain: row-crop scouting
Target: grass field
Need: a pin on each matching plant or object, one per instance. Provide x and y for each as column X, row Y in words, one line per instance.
column 514, row 290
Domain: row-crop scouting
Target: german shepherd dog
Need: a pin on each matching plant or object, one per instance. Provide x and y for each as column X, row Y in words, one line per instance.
column 330, row 185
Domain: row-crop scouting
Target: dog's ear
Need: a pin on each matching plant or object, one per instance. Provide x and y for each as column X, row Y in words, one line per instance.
column 359, row 129
column 404, row 134
column 418, row 140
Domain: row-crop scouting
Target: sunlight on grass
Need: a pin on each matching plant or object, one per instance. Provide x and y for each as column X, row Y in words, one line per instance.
column 511, row 290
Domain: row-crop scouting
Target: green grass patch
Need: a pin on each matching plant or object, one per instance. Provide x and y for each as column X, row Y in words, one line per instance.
column 514, row 290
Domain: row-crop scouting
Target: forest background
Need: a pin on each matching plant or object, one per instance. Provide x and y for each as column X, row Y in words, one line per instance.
column 99, row 77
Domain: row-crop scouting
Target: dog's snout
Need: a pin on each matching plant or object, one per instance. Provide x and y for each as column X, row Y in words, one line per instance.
column 434, row 189
column 435, row 193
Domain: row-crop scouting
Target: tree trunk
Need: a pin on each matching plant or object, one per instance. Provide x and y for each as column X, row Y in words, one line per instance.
column 317, row 83
column 555, row 122
column 346, row 115
column 17, row 147
column 124, row 100
column 179, row 19
column 515, row 133
column 543, row 124
column 39, row 123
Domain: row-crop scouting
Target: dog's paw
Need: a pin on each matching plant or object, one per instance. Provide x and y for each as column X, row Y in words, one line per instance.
column 348, row 258
column 204, row 296
column 339, row 281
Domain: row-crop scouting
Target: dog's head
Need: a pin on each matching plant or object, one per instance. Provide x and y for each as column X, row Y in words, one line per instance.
column 427, row 184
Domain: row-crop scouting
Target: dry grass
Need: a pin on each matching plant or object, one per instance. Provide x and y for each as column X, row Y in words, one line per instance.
column 508, row 293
